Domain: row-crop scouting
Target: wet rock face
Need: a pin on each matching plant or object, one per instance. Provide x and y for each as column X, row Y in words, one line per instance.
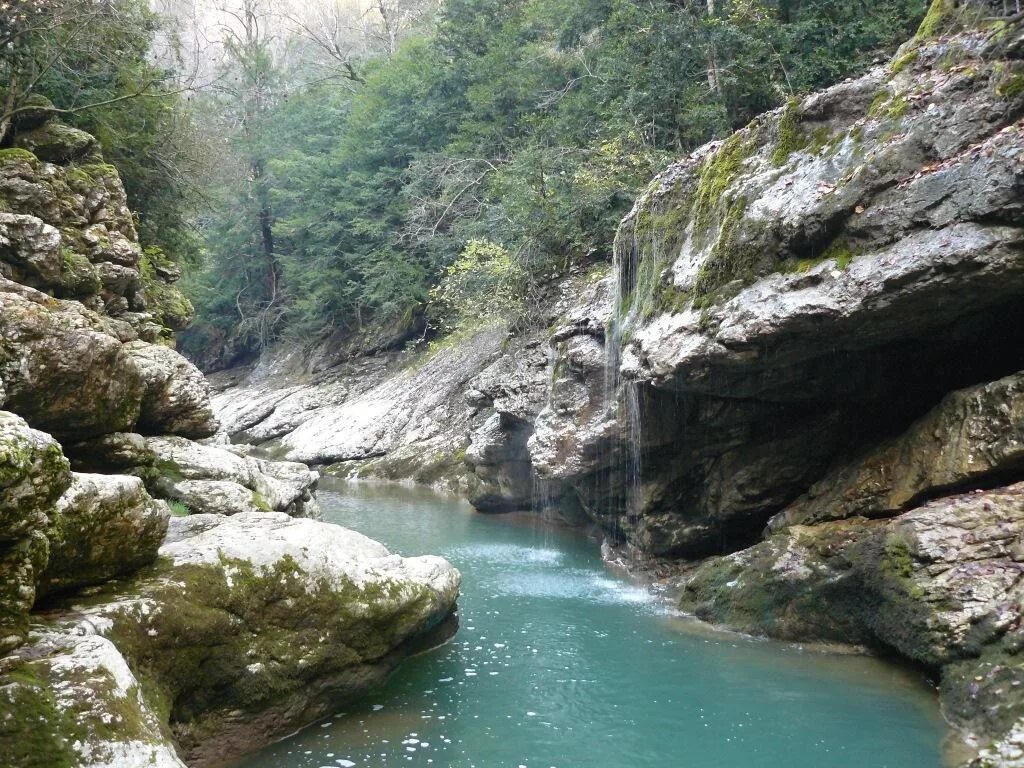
column 796, row 295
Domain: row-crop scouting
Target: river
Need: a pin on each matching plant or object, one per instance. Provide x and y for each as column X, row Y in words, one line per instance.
column 561, row 663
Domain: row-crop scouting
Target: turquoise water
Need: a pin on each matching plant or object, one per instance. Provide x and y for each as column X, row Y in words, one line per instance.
column 561, row 663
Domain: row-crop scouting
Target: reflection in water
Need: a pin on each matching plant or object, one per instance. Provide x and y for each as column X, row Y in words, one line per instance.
column 560, row 663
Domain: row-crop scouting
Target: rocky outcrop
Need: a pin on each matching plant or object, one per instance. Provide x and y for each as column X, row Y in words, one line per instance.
column 796, row 294
column 456, row 415
column 939, row 584
column 121, row 645
column 974, row 436
column 247, row 628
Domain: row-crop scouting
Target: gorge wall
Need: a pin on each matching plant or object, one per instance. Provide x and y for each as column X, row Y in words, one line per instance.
column 803, row 376
column 161, row 600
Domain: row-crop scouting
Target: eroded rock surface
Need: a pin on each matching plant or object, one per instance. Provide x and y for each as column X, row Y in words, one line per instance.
column 796, row 294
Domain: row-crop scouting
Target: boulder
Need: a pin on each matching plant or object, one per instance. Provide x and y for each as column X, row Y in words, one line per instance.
column 56, row 142
column 29, row 250
column 177, row 398
column 212, row 479
column 215, row 497
column 71, row 699
column 250, row 627
column 33, row 474
column 64, row 367
column 108, row 526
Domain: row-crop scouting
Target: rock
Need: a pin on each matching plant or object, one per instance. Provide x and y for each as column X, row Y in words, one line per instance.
column 65, row 368
column 939, row 584
column 55, row 142
column 177, row 399
column 33, row 474
column 792, row 297
column 69, row 699
column 215, row 497
column 115, row 451
column 971, row 437
column 209, row 479
column 261, row 624
column 29, row 250
column 109, row 526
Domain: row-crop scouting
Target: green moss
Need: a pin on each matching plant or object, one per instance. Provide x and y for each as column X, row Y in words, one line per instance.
column 260, row 502
column 36, row 731
column 716, row 174
column 897, row 559
column 1011, row 86
column 937, row 18
column 730, row 258
column 901, row 63
column 888, row 106
column 789, row 137
column 17, row 155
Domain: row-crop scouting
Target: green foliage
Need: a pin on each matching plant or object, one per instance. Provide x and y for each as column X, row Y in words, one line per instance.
column 532, row 124
column 484, row 283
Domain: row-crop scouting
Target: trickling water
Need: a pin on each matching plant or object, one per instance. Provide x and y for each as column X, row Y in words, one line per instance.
column 559, row 662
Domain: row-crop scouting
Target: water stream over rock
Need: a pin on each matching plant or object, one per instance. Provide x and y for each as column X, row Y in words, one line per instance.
column 560, row 662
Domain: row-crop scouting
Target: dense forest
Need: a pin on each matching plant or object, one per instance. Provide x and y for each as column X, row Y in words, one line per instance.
column 398, row 169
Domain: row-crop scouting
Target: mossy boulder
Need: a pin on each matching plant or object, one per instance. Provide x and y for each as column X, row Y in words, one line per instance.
column 107, row 526
column 177, row 396
column 252, row 626
column 69, row 700
column 35, row 110
column 217, row 479
column 56, row 142
column 65, row 368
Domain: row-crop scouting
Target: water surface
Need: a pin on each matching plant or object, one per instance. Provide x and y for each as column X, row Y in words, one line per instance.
column 560, row 663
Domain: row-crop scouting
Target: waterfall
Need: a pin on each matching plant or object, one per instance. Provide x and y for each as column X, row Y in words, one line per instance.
column 622, row 398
